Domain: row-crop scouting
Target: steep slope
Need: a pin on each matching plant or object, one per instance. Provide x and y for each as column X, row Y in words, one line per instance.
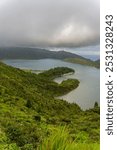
column 29, row 113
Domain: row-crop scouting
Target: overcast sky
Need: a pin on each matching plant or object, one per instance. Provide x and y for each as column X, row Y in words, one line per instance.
column 59, row 23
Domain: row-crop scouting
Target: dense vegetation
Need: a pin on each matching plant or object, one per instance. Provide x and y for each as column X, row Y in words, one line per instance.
column 31, row 118
column 56, row 72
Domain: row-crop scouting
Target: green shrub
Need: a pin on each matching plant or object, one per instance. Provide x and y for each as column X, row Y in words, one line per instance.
column 60, row 140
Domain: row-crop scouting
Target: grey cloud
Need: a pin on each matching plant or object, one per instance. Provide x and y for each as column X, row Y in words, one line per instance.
column 61, row 23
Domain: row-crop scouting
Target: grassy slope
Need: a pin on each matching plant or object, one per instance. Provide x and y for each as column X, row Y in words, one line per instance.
column 30, row 115
column 84, row 62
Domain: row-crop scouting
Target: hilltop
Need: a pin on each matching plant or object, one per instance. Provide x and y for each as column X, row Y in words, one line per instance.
column 32, row 118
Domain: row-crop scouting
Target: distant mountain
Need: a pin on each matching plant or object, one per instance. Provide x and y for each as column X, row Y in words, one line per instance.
column 33, row 53
column 98, row 61
column 37, row 53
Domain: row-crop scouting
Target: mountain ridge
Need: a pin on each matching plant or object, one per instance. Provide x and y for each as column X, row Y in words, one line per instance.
column 33, row 53
column 36, row 53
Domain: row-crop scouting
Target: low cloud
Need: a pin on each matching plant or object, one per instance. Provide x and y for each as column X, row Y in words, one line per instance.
column 63, row 23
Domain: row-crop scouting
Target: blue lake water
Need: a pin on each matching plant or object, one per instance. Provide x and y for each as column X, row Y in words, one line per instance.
column 88, row 91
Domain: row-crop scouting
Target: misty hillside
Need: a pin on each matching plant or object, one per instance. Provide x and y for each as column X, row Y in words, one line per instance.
column 33, row 53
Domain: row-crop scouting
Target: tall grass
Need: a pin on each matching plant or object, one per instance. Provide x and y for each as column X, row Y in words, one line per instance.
column 60, row 140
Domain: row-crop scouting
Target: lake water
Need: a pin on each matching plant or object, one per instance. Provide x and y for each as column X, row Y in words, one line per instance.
column 89, row 89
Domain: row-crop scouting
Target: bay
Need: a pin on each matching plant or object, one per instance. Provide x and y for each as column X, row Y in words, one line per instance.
column 88, row 91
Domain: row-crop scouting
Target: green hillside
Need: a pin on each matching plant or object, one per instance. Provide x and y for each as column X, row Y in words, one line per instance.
column 32, row 119
column 86, row 62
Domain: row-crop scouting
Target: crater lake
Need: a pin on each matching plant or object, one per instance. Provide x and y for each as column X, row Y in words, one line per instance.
column 88, row 91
